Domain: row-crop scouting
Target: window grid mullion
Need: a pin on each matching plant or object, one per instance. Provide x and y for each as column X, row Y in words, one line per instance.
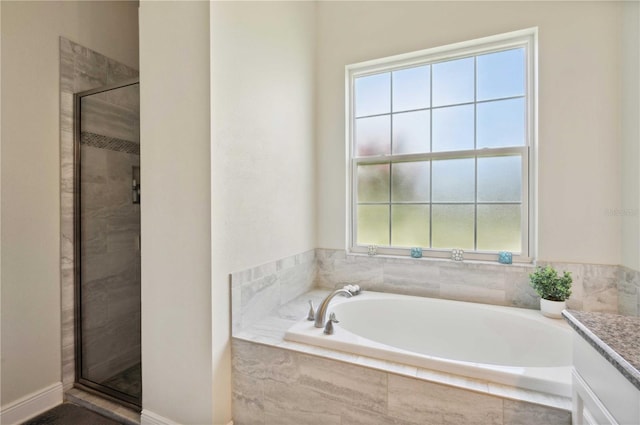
column 497, row 99
column 475, row 146
column 390, row 151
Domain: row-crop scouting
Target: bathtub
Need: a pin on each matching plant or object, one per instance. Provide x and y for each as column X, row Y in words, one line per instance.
column 503, row 345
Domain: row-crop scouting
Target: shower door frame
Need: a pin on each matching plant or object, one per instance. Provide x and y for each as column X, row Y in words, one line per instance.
column 103, row 390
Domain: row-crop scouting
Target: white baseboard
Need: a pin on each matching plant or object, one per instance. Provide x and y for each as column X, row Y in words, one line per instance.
column 31, row 405
column 149, row 418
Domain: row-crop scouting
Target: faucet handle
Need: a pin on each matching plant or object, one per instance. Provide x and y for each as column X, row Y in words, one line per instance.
column 328, row 328
column 312, row 314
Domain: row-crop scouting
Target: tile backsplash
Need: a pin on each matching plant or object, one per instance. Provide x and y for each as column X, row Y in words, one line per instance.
column 629, row 292
column 259, row 290
column 595, row 287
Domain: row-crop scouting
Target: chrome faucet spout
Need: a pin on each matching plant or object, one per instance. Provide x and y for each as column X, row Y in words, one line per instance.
column 321, row 313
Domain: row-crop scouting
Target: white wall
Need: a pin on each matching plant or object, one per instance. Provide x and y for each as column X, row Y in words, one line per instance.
column 630, row 88
column 30, row 169
column 579, row 104
column 262, row 149
column 175, row 211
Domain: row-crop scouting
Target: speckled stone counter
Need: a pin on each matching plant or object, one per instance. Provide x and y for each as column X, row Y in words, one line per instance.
column 616, row 337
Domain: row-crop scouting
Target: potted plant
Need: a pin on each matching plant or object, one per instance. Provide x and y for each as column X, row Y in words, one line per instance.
column 553, row 290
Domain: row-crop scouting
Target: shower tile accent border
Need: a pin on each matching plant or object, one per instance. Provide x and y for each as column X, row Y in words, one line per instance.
column 257, row 291
column 80, row 69
column 275, row 385
column 595, row 287
column 110, row 143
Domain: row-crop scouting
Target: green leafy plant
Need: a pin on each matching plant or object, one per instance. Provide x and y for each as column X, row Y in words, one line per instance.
column 549, row 285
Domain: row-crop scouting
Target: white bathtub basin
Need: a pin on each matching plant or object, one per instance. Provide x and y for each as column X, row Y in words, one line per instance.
column 505, row 345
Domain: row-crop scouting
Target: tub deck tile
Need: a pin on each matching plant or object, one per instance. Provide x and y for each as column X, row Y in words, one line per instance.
column 248, row 397
column 296, row 405
column 351, row 416
column 519, row 413
column 298, row 418
column 362, row 387
column 264, row 362
column 424, row 402
column 453, row 380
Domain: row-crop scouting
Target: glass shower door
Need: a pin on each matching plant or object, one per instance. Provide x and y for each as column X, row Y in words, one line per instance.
column 108, row 242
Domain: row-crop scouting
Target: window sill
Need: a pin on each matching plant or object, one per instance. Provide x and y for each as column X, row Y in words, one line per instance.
column 525, row 264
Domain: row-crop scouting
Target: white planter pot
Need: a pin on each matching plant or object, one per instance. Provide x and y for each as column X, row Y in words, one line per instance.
column 552, row 309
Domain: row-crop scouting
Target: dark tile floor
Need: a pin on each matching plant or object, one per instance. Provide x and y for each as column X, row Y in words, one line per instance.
column 128, row 381
column 70, row 414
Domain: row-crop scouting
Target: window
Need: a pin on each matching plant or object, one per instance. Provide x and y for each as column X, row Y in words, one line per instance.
column 440, row 149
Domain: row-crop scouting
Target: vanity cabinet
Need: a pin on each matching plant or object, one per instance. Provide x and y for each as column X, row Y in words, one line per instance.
column 601, row 393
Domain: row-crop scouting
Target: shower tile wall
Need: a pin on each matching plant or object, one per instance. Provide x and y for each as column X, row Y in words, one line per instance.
column 110, row 233
column 80, row 69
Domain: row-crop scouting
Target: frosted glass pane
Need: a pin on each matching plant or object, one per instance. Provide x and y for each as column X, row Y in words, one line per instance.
column 373, row 95
column 500, row 179
column 453, row 180
column 410, row 182
column 373, row 183
column 452, row 226
column 411, row 132
column 501, row 74
column 410, row 225
column 501, row 123
column 453, row 82
column 411, row 88
column 373, row 136
column 373, row 225
column 499, row 228
column 453, row 128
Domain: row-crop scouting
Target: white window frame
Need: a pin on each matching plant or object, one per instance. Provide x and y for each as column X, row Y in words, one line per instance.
column 527, row 38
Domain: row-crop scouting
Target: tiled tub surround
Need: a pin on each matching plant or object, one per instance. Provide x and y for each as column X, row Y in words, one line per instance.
column 453, row 337
column 80, row 69
column 281, row 382
column 277, row 381
column 256, row 292
column 595, row 287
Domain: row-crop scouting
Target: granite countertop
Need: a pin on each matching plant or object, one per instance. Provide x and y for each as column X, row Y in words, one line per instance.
column 616, row 337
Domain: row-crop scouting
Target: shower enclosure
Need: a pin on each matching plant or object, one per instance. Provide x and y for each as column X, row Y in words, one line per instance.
column 107, row 241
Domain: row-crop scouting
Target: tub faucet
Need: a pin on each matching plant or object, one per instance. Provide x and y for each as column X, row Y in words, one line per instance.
column 348, row 291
